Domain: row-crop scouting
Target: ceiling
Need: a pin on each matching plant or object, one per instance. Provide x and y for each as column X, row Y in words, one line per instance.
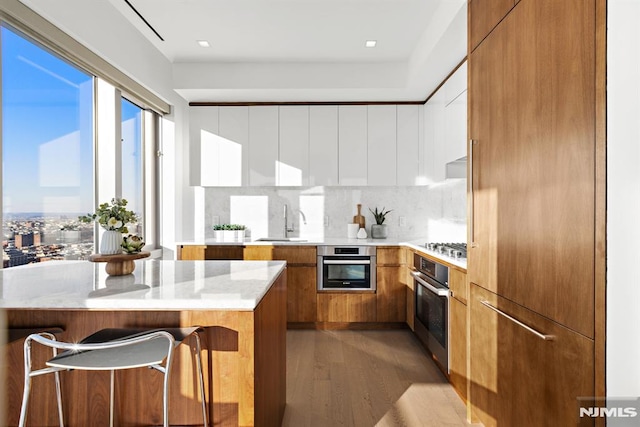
column 296, row 50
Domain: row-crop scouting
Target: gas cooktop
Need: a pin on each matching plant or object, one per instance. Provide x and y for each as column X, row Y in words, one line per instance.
column 454, row 250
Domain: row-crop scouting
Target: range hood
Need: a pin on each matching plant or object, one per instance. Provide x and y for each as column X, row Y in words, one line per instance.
column 456, row 169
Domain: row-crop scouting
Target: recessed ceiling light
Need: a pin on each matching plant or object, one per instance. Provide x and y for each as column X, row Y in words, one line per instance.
column 203, row 43
column 370, row 43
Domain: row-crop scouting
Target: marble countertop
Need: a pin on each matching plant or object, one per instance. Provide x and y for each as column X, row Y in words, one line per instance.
column 154, row 285
column 416, row 244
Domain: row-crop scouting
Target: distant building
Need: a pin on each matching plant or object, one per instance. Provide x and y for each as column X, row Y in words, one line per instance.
column 27, row 239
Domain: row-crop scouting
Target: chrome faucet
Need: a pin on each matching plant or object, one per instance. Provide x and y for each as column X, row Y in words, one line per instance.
column 287, row 230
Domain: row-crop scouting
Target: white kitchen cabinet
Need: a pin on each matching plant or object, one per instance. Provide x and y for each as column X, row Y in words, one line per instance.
column 233, row 157
column 323, row 145
column 455, row 84
column 434, row 137
column 381, row 145
column 203, row 131
column 293, row 159
column 263, row 145
column 352, row 144
column 445, row 126
column 455, row 119
column 408, row 145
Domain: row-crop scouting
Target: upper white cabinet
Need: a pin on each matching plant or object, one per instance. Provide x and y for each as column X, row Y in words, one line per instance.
column 349, row 145
column 408, row 145
column 233, row 157
column 203, row 128
column 263, row 145
column 381, row 145
column 445, row 126
column 293, row 158
column 352, row 144
column 323, row 145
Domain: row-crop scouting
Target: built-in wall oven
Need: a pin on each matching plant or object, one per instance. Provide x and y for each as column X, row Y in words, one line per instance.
column 431, row 284
column 346, row 268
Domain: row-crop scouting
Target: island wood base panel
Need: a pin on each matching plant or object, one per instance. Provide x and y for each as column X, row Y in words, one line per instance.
column 244, row 358
column 347, row 325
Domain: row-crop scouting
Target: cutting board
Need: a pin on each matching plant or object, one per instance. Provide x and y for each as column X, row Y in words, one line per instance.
column 359, row 219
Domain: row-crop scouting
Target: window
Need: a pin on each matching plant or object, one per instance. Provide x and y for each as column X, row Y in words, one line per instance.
column 47, row 153
column 68, row 144
column 132, row 161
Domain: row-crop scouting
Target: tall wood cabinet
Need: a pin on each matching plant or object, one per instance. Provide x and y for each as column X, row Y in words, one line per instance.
column 534, row 222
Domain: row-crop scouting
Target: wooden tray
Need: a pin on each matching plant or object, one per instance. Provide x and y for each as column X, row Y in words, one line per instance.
column 119, row 264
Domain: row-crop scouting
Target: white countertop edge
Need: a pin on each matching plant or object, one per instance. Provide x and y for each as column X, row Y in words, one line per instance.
column 135, row 301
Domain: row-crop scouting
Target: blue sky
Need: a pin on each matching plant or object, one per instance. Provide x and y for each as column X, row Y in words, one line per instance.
column 41, row 122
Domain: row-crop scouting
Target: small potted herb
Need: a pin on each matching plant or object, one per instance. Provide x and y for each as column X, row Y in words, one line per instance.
column 379, row 229
column 229, row 232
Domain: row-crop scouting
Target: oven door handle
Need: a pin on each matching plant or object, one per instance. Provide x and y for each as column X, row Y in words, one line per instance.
column 346, row 262
column 442, row 292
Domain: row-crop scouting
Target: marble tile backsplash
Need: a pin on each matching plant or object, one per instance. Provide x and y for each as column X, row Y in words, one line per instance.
column 435, row 213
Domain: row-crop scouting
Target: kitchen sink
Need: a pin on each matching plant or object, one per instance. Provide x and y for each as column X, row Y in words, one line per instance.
column 280, row 239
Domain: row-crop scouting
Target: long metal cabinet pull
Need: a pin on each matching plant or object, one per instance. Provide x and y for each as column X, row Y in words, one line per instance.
column 471, row 206
column 516, row 321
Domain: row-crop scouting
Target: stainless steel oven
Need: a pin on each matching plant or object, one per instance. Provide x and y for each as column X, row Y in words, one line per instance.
column 431, row 280
column 346, row 268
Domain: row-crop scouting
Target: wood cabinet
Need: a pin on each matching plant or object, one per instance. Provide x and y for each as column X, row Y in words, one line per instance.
column 532, row 106
column 323, row 145
column 486, row 14
column 381, row 145
column 301, row 277
column 352, row 144
column 204, row 252
column 293, row 160
column 391, row 285
column 334, row 307
column 458, row 332
column 519, row 378
column 263, row 143
column 536, row 227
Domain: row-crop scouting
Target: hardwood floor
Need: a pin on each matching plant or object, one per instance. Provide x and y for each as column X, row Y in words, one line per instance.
column 366, row 378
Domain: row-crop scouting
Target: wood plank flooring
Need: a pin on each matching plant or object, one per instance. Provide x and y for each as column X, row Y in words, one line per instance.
column 366, row 378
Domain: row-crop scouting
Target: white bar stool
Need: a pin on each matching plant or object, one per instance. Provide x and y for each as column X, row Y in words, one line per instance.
column 112, row 350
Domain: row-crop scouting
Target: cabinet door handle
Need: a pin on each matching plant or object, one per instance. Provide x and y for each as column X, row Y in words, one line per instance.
column 516, row 321
column 472, row 142
column 346, row 262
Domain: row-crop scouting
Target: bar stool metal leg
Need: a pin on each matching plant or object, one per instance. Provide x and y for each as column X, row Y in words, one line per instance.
column 201, row 379
column 27, row 381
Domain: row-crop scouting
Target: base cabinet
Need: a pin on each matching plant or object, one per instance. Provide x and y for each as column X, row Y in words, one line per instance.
column 458, row 332
column 518, row 377
column 391, row 285
column 301, row 277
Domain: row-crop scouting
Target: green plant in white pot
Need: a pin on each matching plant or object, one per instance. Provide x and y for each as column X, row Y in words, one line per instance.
column 379, row 229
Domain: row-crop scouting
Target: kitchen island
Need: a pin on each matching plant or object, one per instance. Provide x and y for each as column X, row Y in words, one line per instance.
column 240, row 304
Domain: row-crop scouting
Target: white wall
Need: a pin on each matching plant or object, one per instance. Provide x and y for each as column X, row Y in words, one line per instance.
column 623, row 199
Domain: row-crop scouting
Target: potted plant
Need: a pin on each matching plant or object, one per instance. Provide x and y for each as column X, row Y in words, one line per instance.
column 229, row 232
column 240, row 232
column 218, row 233
column 379, row 229
column 132, row 244
column 113, row 217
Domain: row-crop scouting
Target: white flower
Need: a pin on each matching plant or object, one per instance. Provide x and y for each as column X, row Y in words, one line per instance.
column 114, row 224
